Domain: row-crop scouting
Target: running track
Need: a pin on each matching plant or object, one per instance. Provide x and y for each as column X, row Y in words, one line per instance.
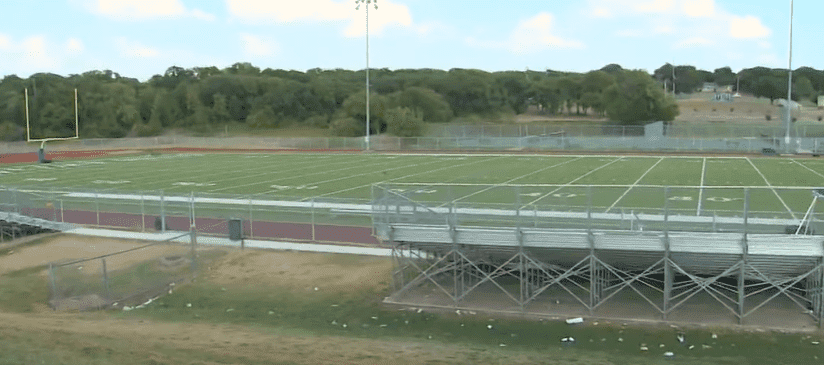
column 214, row 226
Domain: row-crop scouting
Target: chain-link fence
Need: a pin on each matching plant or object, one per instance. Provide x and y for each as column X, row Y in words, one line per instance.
column 126, row 278
column 262, row 216
column 588, row 129
column 635, row 208
column 750, row 139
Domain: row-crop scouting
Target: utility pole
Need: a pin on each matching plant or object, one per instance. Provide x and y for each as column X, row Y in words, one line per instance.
column 789, row 86
column 367, row 2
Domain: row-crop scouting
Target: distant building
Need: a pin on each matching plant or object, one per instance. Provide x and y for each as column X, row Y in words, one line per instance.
column 727, row 97
column 794, row 105
column 709, row 87
column 821, row 101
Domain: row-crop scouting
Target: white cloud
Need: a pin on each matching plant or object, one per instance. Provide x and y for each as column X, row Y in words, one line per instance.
column 133, row 49
column 255, row 46
column 74, row 46
column 535, row 34
column 693, row 42
column 138, row 9
column 202, row 15
column 601, row 12
column 322, row 11
column 144, row 9
column 388, row 14
column 5, row 42
column 699, row 8
column 629, row 33
column 35, row 53
column 748, row 27
column 653, row 6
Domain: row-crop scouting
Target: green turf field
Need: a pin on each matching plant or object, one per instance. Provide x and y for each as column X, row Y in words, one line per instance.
column 780, row 187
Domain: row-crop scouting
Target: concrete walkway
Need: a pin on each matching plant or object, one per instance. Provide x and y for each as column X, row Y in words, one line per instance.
column 183, row 237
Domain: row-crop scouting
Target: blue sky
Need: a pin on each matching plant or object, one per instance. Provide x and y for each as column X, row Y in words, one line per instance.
column 140, row 38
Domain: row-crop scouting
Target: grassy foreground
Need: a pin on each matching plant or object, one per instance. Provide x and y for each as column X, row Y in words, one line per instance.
column 258, row 307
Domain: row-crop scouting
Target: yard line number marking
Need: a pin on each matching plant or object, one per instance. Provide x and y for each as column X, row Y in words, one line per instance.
column 403, row 177
column 572, row 182
column 633, row 185
column 511, row 180
column 772, row 188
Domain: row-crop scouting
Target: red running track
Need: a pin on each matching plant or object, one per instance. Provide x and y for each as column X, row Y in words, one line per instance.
column 216, row 226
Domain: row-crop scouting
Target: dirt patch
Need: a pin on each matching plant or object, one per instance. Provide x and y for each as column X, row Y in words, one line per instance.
column 67, row 247
column 299, row 270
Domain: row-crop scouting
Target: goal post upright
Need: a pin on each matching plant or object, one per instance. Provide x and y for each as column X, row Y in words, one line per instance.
column 41, row 151
column 28, row 130
column 44, row 140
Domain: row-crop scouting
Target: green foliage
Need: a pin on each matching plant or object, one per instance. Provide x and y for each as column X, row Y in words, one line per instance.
column 263, row 118
column 636, row 99
column 348, row 127
column 11, row 132
column 355, row 107
column 200, row 98
column 429, row 105
column 402, row 122
column 317, row 121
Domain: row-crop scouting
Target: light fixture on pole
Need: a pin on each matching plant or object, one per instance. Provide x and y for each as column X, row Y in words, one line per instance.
column 375, row 3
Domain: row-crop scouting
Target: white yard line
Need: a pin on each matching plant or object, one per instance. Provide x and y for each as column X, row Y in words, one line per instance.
column 573, row 181
column 771, row 187
column 805, row 166
column 397, row 178
column 633, row 185
column 604, row 185
column 701, row 189
column 356, row 163
column 315, row 183
column 511, row 180
column 236, row 171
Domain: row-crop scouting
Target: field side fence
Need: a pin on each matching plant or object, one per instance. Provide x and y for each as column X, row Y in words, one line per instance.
column 128, row 277
column 265, row 217
column 551, row 141
column 787, row 210
column 674, row 130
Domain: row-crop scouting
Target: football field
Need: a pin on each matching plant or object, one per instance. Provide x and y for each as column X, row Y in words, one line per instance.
column 778, row 187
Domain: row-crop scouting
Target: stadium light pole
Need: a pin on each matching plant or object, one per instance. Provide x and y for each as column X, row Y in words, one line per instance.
column 789, row 85
column 375, row 3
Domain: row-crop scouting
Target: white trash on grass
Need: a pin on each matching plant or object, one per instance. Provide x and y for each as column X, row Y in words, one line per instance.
column 575, row 320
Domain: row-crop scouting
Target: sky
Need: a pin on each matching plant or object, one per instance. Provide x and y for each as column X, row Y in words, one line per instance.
column 141, row 38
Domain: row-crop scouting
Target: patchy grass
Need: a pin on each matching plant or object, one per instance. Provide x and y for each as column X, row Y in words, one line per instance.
column 21, row 290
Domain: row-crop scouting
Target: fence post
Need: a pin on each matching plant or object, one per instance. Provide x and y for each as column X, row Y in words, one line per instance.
column 313, row 219
column 52, row 286
column 106, row 280
column 193, row 237
column 142, row 212
column 61, row 211
column 251, row 220
column 97, row 207
column 162, row 214
column 192, row 209
column 16, row 202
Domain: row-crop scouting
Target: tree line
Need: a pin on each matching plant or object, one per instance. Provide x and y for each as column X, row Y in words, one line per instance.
column 204, row 99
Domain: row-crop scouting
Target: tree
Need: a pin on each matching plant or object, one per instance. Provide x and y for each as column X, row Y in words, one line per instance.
column 724, row 76
column 348, row 127
column 355, row 107
column 402, row 122
column 635, row 99
column 429, row 105
column 802, row 88
column 262, row 118
column 769, row 87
